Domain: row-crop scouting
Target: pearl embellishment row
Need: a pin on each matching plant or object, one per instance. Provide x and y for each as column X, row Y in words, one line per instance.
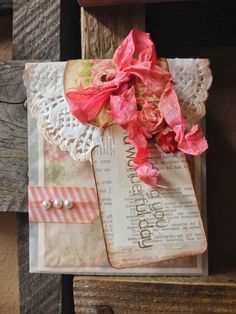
column 46, row 204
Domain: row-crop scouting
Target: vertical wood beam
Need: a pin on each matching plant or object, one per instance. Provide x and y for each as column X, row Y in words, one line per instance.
column 36, row 36
column 13, row 138
column 103, row 28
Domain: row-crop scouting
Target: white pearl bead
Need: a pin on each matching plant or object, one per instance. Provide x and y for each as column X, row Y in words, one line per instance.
column 68, row 204
column 57, row 204
column 46, row 204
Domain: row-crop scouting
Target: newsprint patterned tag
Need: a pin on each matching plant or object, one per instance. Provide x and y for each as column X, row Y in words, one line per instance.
column 144, row 225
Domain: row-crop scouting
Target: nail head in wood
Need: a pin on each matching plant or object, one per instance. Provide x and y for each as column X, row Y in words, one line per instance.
column 105, row 309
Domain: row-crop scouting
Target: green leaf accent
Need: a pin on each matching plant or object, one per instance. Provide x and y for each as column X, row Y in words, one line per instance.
column 86, row 71
column 103, row 119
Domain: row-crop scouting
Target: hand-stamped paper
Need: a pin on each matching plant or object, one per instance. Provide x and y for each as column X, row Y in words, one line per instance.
column 144, row 225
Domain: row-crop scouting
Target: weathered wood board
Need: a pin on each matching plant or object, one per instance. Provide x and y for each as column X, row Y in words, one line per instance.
column 13, row 138
column 214, row 294
column 36, row 36
column 36, row 30
column 103, row 29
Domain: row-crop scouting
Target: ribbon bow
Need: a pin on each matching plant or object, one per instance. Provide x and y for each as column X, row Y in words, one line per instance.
column 136, row 61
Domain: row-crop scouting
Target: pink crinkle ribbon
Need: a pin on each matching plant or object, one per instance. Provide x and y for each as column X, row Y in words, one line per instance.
column 136, row 59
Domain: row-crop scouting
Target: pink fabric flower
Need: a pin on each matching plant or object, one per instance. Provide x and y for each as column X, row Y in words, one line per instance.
column 138, row 134
column 166, row 140
column 151, row 118
column 148, row 174
column 143, row 94
column 192, row 143
column 86, row 104
column 135, row 64
column 142, row 156
column 102, row 72
column 124, row 107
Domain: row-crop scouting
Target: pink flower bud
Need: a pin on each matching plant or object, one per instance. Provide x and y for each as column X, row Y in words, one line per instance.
column 151, row 118
column 166, row 140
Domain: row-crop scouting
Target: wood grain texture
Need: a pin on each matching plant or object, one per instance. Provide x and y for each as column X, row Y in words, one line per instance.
column 9, row 279
column 5, row 49
column 214, row 294
column 36, row 30
column 39, row 293
column 96, row 3
column 5, row 37
column 103, row 28
column 36, row 36
column 13, row 138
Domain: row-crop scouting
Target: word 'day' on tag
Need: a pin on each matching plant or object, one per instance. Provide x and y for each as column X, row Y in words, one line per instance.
column 143, row 225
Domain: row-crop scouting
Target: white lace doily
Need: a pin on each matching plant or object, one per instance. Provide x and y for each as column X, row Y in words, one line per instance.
column 47, row 103
column 192, row 79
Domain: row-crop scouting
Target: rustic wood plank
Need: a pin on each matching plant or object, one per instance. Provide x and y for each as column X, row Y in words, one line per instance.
column 36, row 30
column 213, row 294
column 13, row 138
column 96, row 3
column 9, row 279
column 103, row 28
column 36, row 36
column 39, row 293
column 5, row 49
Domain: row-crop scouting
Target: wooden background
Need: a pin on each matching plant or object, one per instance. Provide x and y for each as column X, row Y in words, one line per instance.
column 179, row 29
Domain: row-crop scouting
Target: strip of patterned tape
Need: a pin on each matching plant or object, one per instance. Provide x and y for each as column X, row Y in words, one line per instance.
column 82, row 201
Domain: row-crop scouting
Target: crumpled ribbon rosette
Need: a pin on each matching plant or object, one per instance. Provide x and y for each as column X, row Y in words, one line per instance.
column 138, row 94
